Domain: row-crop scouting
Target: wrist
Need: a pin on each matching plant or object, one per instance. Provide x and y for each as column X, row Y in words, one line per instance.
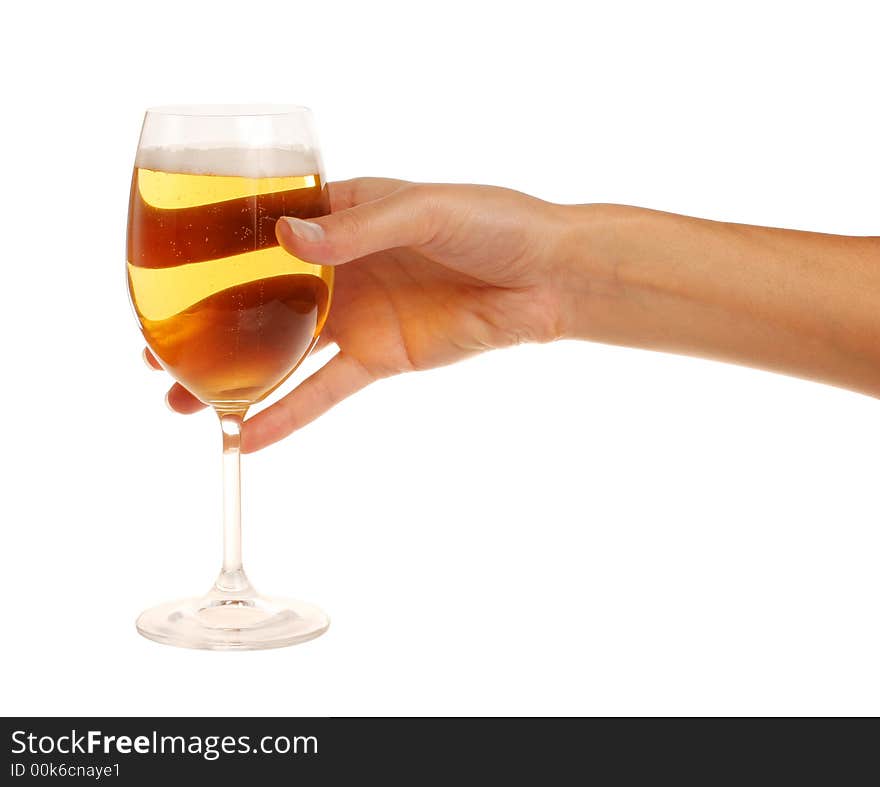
column 591, row 270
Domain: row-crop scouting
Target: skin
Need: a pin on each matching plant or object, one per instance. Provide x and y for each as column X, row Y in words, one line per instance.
column 430, row 274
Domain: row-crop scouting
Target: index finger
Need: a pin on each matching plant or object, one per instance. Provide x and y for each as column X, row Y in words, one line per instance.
column 348, row 193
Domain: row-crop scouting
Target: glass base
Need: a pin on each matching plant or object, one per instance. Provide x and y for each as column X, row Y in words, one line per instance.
column 233, row 616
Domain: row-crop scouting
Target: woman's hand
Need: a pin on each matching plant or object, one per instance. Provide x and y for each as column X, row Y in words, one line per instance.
column 431, row 274
column 426, row 275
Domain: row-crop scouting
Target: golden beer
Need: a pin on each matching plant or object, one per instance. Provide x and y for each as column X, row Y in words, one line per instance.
column 226, row 311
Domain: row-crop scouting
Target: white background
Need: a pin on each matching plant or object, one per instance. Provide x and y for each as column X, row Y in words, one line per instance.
column 571, row 529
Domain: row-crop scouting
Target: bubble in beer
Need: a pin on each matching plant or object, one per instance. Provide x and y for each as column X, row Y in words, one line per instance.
column 224, row 308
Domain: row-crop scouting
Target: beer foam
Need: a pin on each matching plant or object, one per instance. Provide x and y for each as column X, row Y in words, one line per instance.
column 236, row 162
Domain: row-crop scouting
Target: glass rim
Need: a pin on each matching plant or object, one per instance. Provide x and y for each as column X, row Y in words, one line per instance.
column 227, row 110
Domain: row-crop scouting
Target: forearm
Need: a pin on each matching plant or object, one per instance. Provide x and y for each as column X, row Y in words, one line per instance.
column 799, row 303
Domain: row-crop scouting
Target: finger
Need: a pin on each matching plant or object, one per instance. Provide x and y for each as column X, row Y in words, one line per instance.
column 348, row 193
column 182, row 401
column 406, row 217
column 150, row 360
column 338, row 379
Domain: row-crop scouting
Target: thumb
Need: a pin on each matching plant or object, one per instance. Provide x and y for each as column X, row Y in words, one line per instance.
column 406, row 217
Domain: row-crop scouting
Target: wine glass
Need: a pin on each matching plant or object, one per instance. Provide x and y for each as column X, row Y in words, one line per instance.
column 228, row 313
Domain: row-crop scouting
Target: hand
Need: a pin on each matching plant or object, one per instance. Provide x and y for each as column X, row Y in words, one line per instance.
column 431, row 274
column 427, row 275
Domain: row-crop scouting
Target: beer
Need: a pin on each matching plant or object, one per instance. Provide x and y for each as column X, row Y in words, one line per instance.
column 225, row 310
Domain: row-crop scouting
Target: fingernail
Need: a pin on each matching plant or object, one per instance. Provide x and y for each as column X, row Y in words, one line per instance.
column 304, row 230
column 147, row 360
column 168, row 403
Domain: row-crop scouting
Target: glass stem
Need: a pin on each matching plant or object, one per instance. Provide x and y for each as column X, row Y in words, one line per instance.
column 232, row 577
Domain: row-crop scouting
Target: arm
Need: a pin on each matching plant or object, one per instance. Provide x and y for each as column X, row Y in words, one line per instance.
column 429, row 274
column 799, row 303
